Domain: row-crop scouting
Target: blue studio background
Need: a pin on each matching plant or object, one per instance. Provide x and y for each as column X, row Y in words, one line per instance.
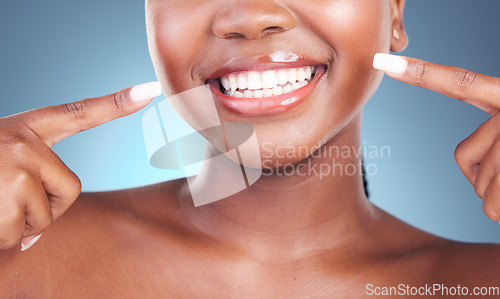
column 57, row 51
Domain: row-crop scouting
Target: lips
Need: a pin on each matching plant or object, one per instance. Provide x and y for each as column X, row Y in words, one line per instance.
column 261, row 86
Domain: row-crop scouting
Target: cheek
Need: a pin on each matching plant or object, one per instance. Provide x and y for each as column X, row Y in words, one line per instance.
column 351, row 24
column 176, row 32
column 356, row 30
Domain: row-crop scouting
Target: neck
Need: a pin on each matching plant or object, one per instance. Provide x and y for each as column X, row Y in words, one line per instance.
column 325, row 199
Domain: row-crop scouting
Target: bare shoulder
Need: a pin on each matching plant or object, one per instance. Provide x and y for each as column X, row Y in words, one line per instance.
column 454, row 263
column 476, row 263
column 99, row 231
column 422, row 258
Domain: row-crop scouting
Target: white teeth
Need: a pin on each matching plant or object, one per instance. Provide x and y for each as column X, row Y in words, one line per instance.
column 248, row 94
column 242, row 81
column 265, row 93
column 292, row 75
column 268, row 92
column 277, row 91
column 281, row 76
column 301, row 74
column 288, row 88
column 233, row 83
column 269, row 79
column 308, row 73
column 254, row 80
column 257, row 94
column 254, row 84
column 225, row 83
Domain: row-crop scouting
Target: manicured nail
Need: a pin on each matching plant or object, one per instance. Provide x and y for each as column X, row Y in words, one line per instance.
column 390, row 63
column 145, row 91
column 27, row 242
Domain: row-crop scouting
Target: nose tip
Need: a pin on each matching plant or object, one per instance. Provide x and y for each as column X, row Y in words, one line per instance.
column 252, row 19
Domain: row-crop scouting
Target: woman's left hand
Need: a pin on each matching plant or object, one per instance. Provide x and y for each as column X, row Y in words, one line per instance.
column 478, row 156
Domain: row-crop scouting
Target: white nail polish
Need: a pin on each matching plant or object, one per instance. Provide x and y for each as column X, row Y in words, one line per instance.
column 30, row 243
column 145, row 91
column 390, row 63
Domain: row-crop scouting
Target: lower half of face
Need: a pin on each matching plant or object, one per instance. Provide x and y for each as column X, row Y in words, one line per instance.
column 298, row 71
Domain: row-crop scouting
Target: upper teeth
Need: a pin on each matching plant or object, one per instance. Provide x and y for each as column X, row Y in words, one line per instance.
column 265, row 82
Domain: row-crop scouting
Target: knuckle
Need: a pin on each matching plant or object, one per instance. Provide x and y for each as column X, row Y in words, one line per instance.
column 16, row 182
column 46, row 221
column 464, row 80
column 419, row 71
column 77, row 186
column 38, row 221
column 22, row 177
column 78, row 183
column 459, row 152
column 491, row 206
column 467, row 166
column 16, row 144
column 479, row 189
column 118, row 100
column 76, row 111
column 9, row 216
column 492, row 211
column 9, row 219
column 7, row 243
column 38, row 216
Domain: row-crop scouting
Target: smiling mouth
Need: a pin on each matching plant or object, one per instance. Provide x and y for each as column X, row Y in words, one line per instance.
column 267, row 83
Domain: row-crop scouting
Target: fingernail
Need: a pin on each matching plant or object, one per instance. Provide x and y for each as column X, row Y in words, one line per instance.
column 390, row 63
column 27, row 242
column 145, row 91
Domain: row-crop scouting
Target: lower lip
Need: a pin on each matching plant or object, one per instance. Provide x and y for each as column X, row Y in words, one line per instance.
column 266, row 106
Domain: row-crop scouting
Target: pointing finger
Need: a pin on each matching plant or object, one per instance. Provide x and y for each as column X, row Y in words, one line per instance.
column 52, row 124
column 479, row 90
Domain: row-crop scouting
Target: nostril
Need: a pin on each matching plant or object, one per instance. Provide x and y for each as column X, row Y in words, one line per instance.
column 271, row 30
column 274, row 28
column 252, row 19
column 234, row 35
column 267, row 30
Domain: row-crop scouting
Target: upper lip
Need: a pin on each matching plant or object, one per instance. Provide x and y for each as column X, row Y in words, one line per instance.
column 259, row 63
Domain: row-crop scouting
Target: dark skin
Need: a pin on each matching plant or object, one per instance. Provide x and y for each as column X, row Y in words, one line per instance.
column 290, row 236
column 108, row 244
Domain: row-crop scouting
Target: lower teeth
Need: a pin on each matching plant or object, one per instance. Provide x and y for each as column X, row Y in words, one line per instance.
column 264, row 93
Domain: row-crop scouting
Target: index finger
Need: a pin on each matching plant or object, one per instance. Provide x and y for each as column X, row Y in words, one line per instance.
column 476, row 89
column 54, row 123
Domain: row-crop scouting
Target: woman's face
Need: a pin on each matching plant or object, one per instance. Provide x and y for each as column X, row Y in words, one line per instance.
column 230, row 44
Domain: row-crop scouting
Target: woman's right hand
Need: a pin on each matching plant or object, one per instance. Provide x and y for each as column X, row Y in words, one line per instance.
column 36, row 186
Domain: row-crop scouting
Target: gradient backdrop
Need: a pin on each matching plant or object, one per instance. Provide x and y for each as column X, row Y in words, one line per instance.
column 56, row 51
